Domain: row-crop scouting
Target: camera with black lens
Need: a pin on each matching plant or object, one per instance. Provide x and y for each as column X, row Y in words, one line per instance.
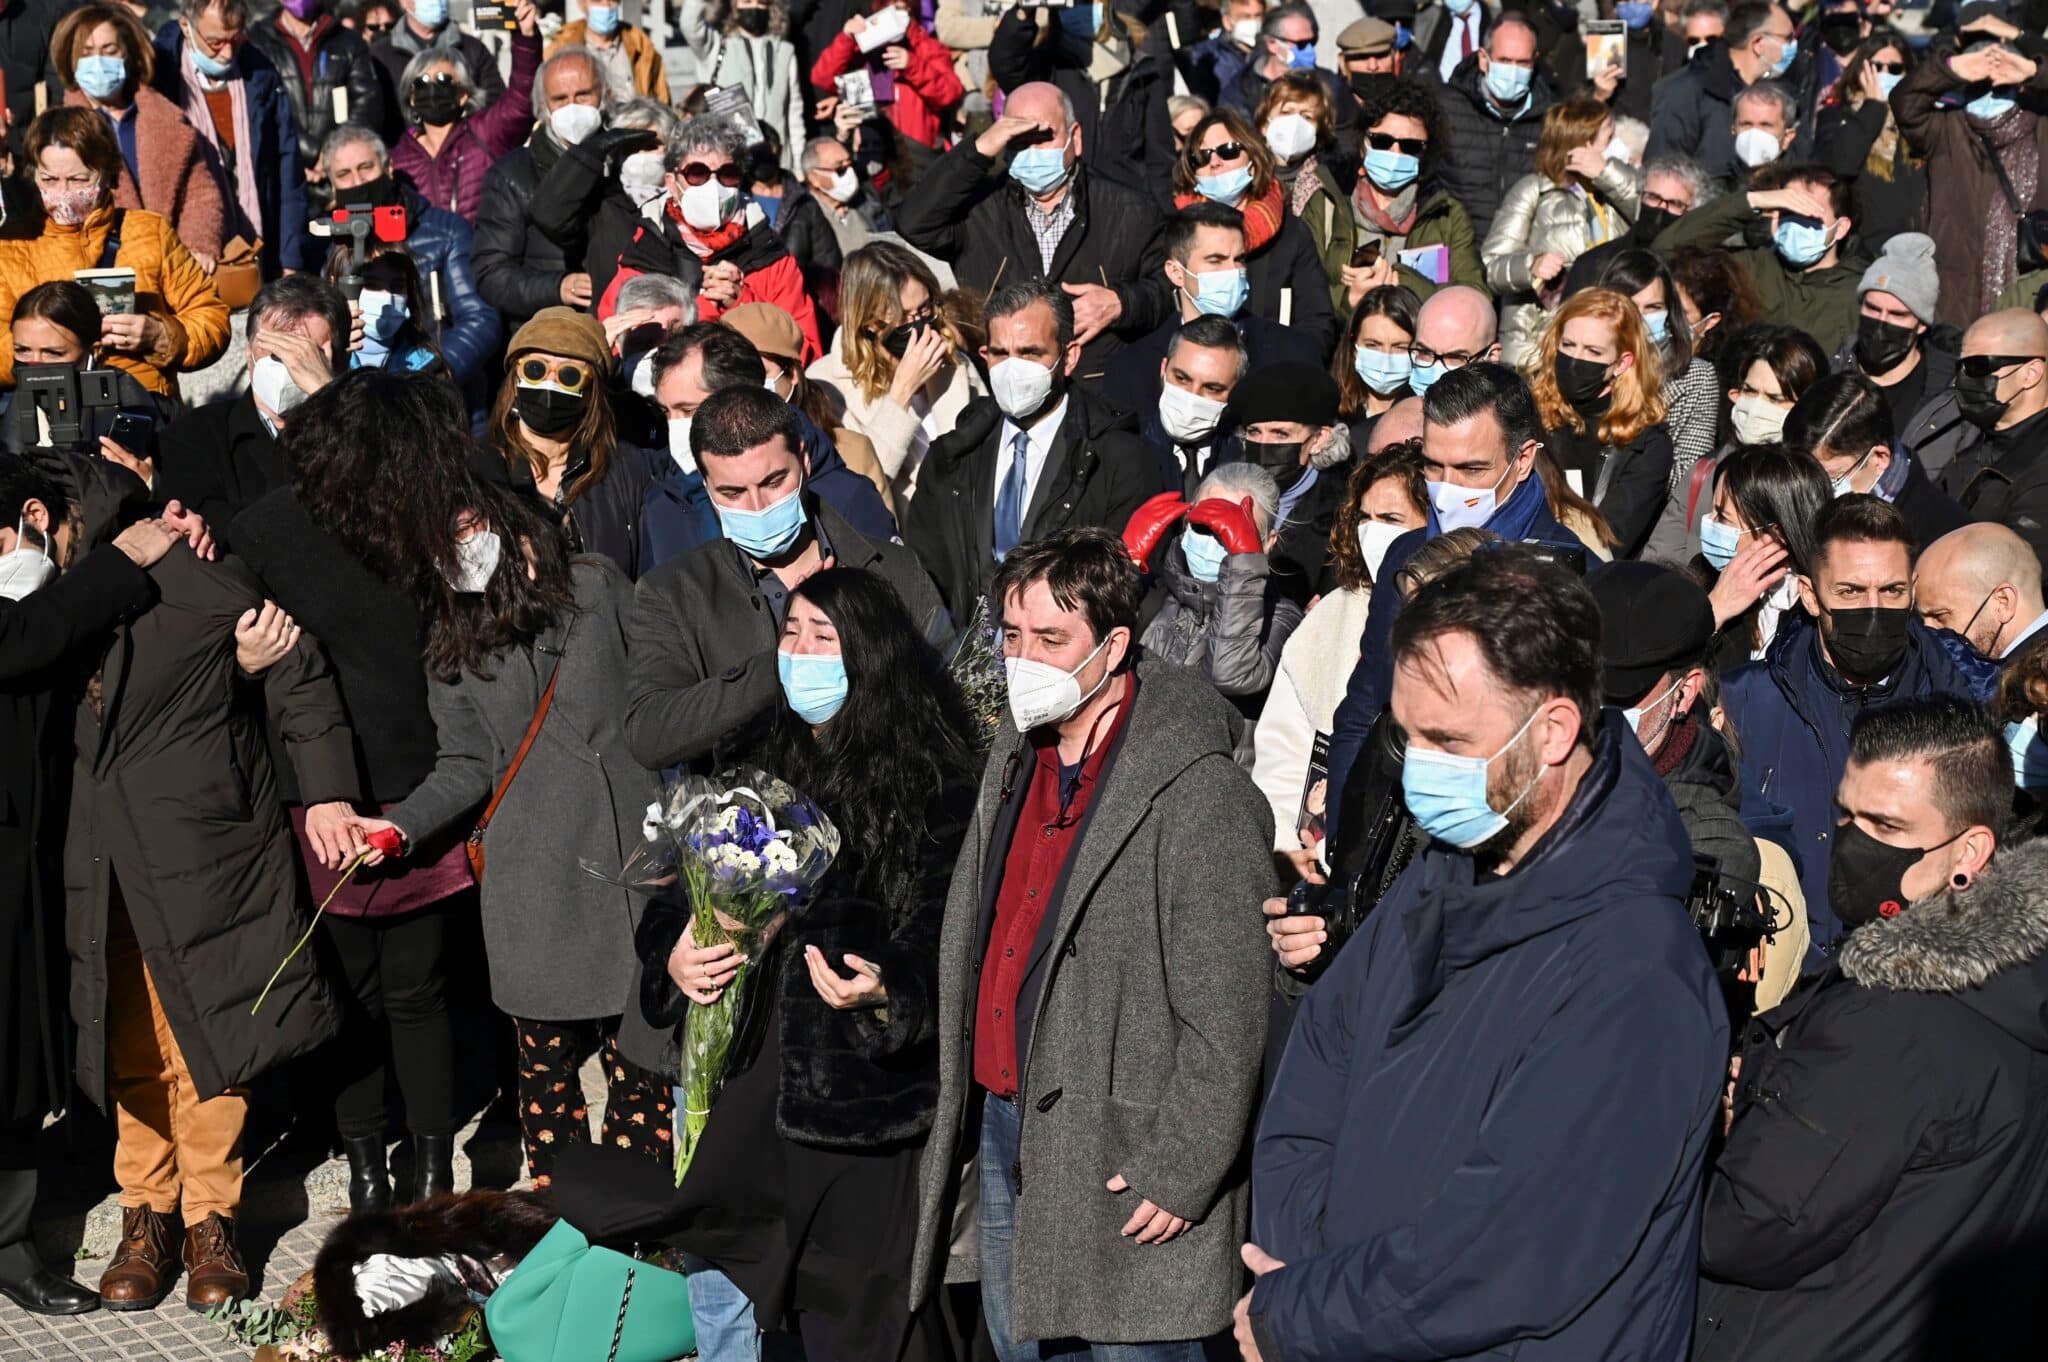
column 1732, row 923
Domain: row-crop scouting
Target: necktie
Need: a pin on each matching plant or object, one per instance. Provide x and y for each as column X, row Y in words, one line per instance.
column 1010, row 499
column 1465, row 36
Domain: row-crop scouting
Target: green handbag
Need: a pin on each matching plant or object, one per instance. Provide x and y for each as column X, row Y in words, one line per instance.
column 566, row 1299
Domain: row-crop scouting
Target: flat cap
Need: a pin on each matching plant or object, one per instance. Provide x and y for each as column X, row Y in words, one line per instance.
column 1653, row 619
column 1366, row 38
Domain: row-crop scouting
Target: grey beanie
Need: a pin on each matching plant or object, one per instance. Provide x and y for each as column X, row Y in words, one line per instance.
column 1906, row 271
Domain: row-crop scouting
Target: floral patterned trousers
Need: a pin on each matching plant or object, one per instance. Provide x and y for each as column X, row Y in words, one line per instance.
column 639, row 1112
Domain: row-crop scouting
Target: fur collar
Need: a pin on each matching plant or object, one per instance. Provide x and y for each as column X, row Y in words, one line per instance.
column 1956, row 940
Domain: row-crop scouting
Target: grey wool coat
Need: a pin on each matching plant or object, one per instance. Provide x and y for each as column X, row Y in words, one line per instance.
column 559, row 940
column 1144, row 1057
column 175, row 807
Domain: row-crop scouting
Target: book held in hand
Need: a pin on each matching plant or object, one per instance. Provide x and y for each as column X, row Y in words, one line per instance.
column 113, row 289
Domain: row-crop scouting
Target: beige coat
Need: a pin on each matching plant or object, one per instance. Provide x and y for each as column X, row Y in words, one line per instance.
column 892, row 427
column 1539, row 216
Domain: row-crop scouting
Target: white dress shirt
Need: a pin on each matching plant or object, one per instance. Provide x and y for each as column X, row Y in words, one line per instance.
column 1454, row 46
column 2020, row 638
column 1038, row 445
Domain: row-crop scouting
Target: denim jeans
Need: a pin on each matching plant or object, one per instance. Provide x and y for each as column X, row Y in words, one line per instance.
column 999, row 1131
column 723, row 1315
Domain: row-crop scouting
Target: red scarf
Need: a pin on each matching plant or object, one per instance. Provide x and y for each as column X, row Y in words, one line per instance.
column 1262, row 216
column 1370, row 210
column 704, row 245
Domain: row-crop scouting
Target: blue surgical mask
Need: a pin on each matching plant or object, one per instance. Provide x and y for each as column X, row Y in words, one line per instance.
column 1461, row 8
column 100, row 76
column 1446, row 794
column 1886, row 83
column 1386, row 374
column 1403, row 35
column 383, row 313
column 1302, row 57
column 1989, row 106
column 2029, row 753
column 1786, row 58
column 213, row 68
column 1659, row 323
column 1459, row 508
column 1719, row 541
column 1422, row 376
column 1039, row 169
column 768, row 532
column 1801, row 243
column 1635, row 13
column 603, row 19
column 431, row 13
column 1205, row 554
column 1220, row 293
column 1392, row 171
column 1226, row 188
column 1508, row 83
column 813, row 683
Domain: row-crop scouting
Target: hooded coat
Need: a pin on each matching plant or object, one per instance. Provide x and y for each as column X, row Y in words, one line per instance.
column 1488, row 1132
column 1883, row 1193
column 1791, row 714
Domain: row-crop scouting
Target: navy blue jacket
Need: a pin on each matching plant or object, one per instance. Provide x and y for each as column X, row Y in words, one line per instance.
column 1489, row 1130
column 280, row 179
column 1791, row 713
column 678, row 515
column 1372, row 677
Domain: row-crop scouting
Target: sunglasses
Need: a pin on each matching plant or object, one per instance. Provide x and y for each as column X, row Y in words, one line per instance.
column 1984, row 366
column 696, row 172
column 1888, row 68
column 569, row 375
column 1385, row 141
column 438, row 78
column 1226, row 151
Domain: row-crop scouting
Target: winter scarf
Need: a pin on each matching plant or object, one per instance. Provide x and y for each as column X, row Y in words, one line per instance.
column 1262, row 216
column 244, row 153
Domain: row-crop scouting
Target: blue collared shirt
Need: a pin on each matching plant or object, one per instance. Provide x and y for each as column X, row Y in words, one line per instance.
column 124, row 133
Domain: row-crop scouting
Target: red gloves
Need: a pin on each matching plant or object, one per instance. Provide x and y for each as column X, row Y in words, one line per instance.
column 1149, row 524
column 1231, row 524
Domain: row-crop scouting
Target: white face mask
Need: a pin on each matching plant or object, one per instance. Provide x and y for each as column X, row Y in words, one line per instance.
column 1755, row 147
column 1634, row 717
column 24, row 568
column 1021, row 386
column 1290, row 135
column 679, row 443
column 1460, row 507
column 707, row 206
column 1189, row 418
column 844, row 185
column 1757, row 420
column 641, row 380
column 574, row 122
column 1245, row 32
column 1375, row 537
column 1042, row 694
column 640, row 176
column 272, row 384
column 476, row 558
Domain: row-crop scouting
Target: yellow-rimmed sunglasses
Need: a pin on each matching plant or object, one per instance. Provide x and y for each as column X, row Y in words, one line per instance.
column 570, row 375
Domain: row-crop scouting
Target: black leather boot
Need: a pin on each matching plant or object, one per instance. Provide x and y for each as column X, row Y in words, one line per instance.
column 369, row 1177
column 32, row 1286
column 433, row 1161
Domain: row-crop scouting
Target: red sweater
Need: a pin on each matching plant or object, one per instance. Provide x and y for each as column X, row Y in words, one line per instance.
column 926, row 90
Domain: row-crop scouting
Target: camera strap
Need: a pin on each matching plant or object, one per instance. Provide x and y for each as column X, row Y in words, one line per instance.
column 113, row 246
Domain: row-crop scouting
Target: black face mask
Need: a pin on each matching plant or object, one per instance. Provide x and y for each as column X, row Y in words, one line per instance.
column 1650, row 222
column 1841, row 33
column 1579, row 381
column 1866, row 642
column 1977, row 399
column 1282, row 460
column 1882, row 345
column 436, row 102
column 896, row 340
column 1866, row 877
column 753, row 21
column 548, row 412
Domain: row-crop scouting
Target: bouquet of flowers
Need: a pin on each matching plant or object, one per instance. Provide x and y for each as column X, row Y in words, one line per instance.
column 977, row 668
column 744, row 847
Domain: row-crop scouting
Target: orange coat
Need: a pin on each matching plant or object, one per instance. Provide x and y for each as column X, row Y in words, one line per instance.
column 650, row 76
column 177, row 180
column 169, row 285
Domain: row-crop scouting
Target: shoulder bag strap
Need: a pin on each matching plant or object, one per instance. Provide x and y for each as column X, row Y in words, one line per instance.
column 2012, row 198
column 540, row 714
column 113, row 246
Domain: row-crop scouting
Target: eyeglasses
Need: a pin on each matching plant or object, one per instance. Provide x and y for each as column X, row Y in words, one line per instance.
column 567, row 374
column 1654, row 200
column 1984, row 366
column 1888, row 68
column 1383, row 141
column 696, row 172
column 1454, row 359
column 1223, row 151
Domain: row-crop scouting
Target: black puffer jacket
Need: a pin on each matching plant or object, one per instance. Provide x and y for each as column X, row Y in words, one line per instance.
column 1709, row 798
column 1489, row 150
column 341, row 61
column 1883, row 1193
column 519, row 268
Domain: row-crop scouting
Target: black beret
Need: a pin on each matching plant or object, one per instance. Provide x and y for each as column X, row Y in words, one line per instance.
column 1292, row 391
column 1653, row 619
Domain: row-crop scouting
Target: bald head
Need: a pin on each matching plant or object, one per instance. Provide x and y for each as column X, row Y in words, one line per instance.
column 1402, row 421
column 1043, row 102
column 1457, row 320
column 1984, row 582
column 2015, row 331
column 2020, row 385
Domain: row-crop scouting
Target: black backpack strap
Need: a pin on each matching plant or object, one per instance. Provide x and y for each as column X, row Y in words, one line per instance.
column 113, row 246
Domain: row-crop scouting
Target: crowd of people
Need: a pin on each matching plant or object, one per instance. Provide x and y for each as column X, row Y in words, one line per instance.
column 1422, row 623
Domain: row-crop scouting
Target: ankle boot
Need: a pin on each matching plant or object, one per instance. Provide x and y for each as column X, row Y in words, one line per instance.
column 433, row 1160
column 32, row 1286
column 214, row 1274
column 145, row 1263
column 369, row 1176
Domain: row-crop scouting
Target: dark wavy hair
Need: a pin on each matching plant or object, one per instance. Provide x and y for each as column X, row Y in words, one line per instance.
column 902, row 735
column 1402, row 462
column 1633, row 271
column 1408, row 98
column 525, row 597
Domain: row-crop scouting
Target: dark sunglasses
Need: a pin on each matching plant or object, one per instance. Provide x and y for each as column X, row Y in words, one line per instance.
column 1888, row 68
column 1386, row 141
column 1984, row 366
column 1227, row 151
column 566, row 374
column 696, row 172
column 438, row 78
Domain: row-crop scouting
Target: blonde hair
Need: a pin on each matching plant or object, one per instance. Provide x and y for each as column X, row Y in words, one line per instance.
column 871, row 303
column 1566, row 127
column 1638, row 401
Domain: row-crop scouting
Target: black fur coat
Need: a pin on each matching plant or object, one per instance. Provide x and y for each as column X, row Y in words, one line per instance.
column 862, row 1078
